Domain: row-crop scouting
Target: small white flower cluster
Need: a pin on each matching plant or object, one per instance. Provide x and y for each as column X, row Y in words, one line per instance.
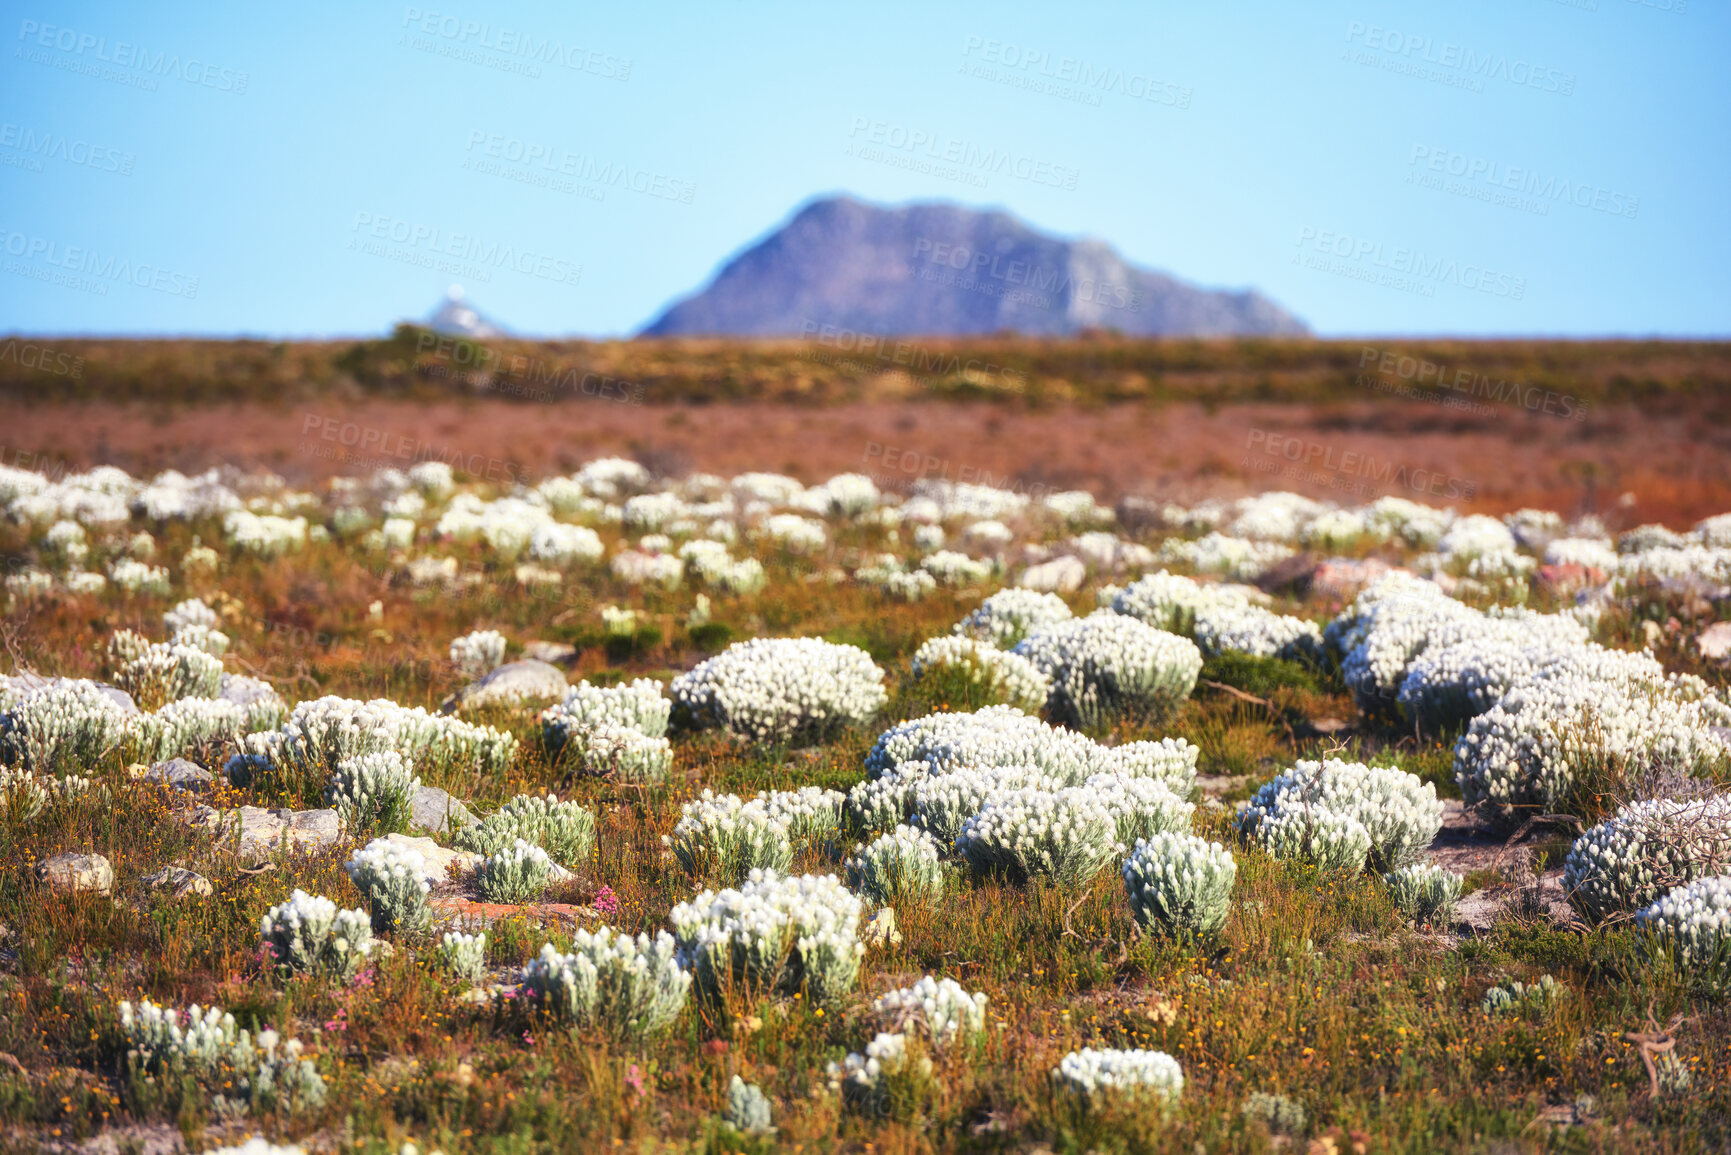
column 1693, row 921
column 1004, row 674
column 168, row 672
column 1180, row 883
column 748, row 1110
column 1424, row 892
column 905, row 864
column 725, row 836
column 711, row 563
column 773, row 935
column 794, row 533
column 206, row 1043
column 1010, row 615
column 195, row 624
column 518, row 873
column 1635, row 856
column 1106, row 666
column 615, row 732
column 1219, row 618
column 1067, row 835
column 1520, row 998
column 1004, row 736
column 890, row 578
column 865, row 1079
column 136, row 577
column 811, row 814
column 1218, row 553
column 463, row 955
column 22, row 797
column 638, row 704
column 373, row 791
column 309, row 935
column 1100, row 1075
column 393, row 880
column 1140, row 807
column 67, row 722
column 322, row 732
column 631, row 987
column 193, row 723
column 1327, row 811
column 1589, row 553
column 1603, row 709
column 954, row 569
column 885, row 801
column 477, row 653
column 267, row 535
column 782, row 689
column 941, row 1010
column 563, row 545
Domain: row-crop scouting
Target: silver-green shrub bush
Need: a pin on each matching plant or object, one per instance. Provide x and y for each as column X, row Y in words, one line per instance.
column 1180, row 884
column 631, row 987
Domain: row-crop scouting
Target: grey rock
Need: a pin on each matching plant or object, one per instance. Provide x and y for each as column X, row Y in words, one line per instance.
column 1060, row 575
column 441, row 861
column 435, row 810
column 179, row 881
column 514, row 683
column 74, row 873
column 913, row 269
column 181, row 774
column 244, row 691
column 258, row 831
column 558, row 653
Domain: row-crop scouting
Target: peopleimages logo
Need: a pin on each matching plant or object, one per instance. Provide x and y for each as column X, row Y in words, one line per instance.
column 430, row 242
column 1404, row 266
column 972, row 159
column 1346, row 469
column 983, row 267
column 1066, row 77
column 1429, row 163
column 45, row 145
column 85, row 52
column 89, row 270
column 1441, row 375
column 517, row 47
column 908, row 355
column 1414, row 52
column 562, row 162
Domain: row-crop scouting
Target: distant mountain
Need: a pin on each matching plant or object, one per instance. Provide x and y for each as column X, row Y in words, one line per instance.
column 944, row 269
column 458, row 318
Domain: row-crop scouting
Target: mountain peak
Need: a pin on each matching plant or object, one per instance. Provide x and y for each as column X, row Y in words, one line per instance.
column 455, row 316
column 941, row 268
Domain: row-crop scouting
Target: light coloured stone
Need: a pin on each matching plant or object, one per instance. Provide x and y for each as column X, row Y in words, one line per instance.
column 435, row 810
column 1060, row 575
column 512, row 684
column 1715, row 642
column 74, row 873
column 443, row 863
column 179, row 881
column 880, row 930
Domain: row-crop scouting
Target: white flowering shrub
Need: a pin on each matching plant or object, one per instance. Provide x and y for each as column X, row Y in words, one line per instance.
column 267, row 534
column 1424, row 892
column 189, row 614
column 1534, row 1000
column 773, row 935
column 782, row 689
column 883, row 802
column 1393, row 812
column 637, row 705
column 1597, row 716
column 1218, row 553
column 309, row 935
column 951, row 568
column 68, row 723
column 631, row 987
column 518, row 873
column 621, row 753
column 903, row 865
column 166, row 673
column 1140, row 807
column 895, row 582
column 723, row 836
column 1180, row 884
column 867, row 1080
column 1693, row 924
column 1010, row 615
column 1170, row 602
column 1005, row 675
column 1067, row 835
column 811, row 814
column 463, row 956
column 1107, row 666
column 748, row 1109
column 940, row 1010
column 136, row 577
column 1628, row 861
column 944, row 803
column 393, row 880
column 373, row 791
column 793, row 532
column 1169, row 761
column 267, row 1072
column 477, row 653
column 1099, row 1076
column 320, row 733
column 562, row 544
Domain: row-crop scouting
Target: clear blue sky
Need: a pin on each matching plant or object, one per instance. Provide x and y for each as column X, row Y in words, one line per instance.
column 325, row 168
